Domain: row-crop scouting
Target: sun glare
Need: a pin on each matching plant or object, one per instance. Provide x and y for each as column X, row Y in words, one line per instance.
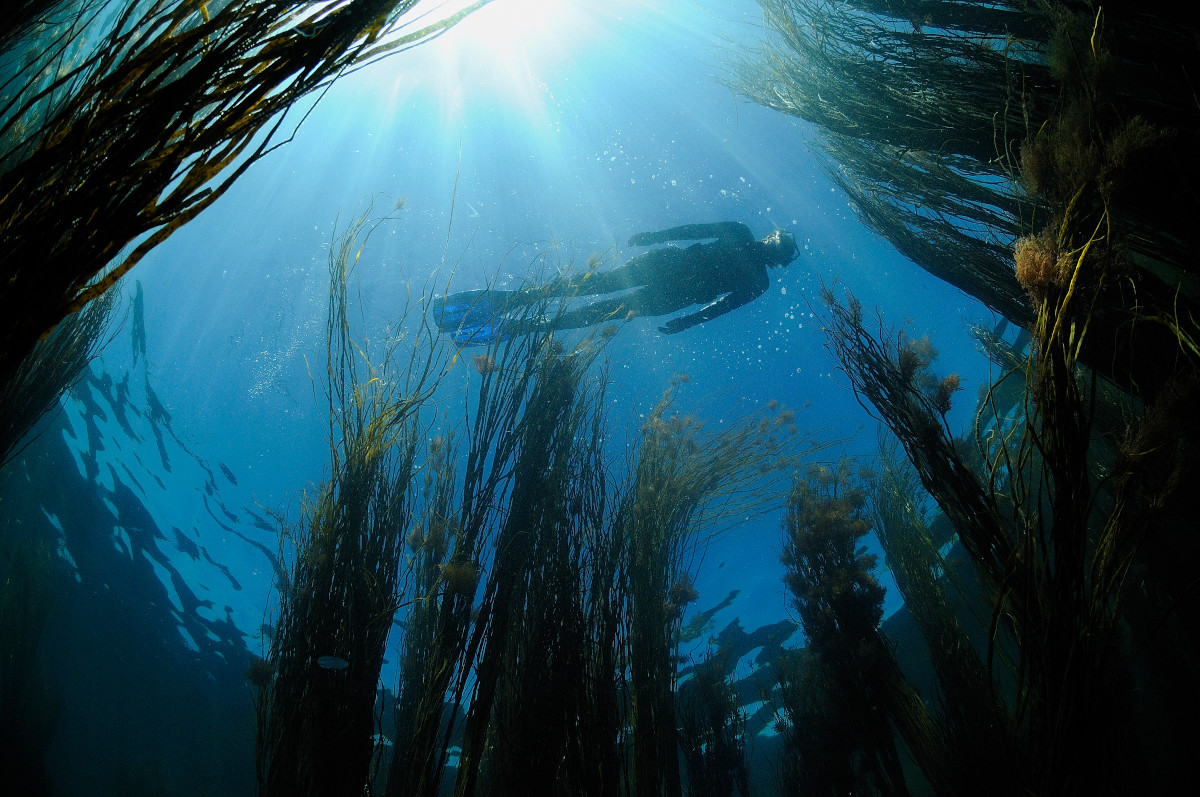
column 505, row 25
column 517, row 61
column 507, row 48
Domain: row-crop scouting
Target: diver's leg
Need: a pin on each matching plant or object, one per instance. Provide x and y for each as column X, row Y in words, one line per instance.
column 634, row 273
column 597, row 282
column 617, row 308
column 478, row 329
column 492, row 301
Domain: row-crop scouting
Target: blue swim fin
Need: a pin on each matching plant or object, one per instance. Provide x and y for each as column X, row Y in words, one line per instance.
column 479, row 335
column 472, row 308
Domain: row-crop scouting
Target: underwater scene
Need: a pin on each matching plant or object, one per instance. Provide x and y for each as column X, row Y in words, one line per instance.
column 523, row 397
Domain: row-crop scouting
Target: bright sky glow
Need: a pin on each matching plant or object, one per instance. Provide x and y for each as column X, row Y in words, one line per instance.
column 507, row 26
column 504, row 50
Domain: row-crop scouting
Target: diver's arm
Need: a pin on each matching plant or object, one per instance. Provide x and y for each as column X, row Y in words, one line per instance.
column 725, row 230
column 719, row 307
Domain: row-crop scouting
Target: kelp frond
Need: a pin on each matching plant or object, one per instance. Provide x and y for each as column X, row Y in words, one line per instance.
column 126, row 122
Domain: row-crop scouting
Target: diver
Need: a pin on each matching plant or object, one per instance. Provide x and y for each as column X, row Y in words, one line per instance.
column 727, row 270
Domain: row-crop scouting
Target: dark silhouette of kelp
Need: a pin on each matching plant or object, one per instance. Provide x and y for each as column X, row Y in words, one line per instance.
column 346, row 569
column 1067, row 500
column 120, row 124
column 682, row 471
column 541, row 586
column 913, row 116
column 956, row 126
column 1055, row 508
column 542, row 629
column 712, row 731
column 588, row 582
column 55, row 363
column 977, row 734
column 842, row 694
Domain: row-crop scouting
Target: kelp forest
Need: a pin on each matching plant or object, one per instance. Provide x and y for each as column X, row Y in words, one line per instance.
column 1039, row 155
column 543, row 585
column 128, row 119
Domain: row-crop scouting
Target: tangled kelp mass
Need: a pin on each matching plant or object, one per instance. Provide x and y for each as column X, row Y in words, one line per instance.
column 1039, row 648
column 543, row 591
column 908, row 111
column 957, row 127
column 120, row 122
column 1030, row 175
column 316, row 720
column 838, row 698
column 54, row 364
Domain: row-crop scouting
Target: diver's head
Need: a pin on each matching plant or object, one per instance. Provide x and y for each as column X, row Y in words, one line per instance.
column 781, row 248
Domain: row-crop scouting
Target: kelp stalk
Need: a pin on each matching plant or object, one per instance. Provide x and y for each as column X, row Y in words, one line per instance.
column 345, row 582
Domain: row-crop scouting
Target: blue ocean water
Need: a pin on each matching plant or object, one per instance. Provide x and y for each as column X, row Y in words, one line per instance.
column 531, row 129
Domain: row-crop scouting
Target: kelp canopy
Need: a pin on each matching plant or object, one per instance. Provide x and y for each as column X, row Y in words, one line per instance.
column 121, row 121
column 1040, row 156
column 956, row 126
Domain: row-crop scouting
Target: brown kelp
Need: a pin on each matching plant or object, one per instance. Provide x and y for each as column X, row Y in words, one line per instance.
column 551, row 662
column 844, row 693
column 540, row 593
column 1056, row 506
column 860, row 69
column 945, row 122
column 532, row 722
column 347, row 574
column 1073, row 143
column 912, row 101
column 712, row 731
column 941, row 211
column 685, row 484
column 24, row 16
column 975, row 733
column 1094, row 474
column 463, row 518
column 427, row 660
column 55, row 363
column 123, row 121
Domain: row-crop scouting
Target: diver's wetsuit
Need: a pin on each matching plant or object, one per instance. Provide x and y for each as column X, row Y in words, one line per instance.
column 721, row 275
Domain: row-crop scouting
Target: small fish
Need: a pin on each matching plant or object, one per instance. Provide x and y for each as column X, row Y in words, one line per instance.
column 332, row 663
